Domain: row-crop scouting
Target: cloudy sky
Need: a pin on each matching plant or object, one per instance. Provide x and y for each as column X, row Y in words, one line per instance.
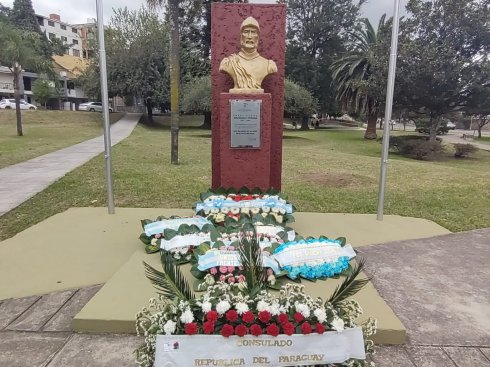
column 77, row 11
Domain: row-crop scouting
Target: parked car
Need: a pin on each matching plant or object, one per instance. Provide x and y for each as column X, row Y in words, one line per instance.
column 92, row 107
column 7, row 104
column 451, row 125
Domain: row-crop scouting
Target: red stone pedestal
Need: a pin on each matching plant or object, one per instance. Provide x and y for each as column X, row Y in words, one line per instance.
column 225, row 40
column 245, row 167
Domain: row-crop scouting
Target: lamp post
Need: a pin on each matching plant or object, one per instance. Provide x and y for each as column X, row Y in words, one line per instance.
column 388, row 109
column 105, row 106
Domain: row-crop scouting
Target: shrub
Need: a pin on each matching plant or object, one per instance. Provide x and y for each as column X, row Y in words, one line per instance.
column 417, row 147
column 423, row 125
column 464, row 150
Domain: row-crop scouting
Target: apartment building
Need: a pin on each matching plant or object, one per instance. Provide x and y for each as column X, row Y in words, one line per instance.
column 53, row 27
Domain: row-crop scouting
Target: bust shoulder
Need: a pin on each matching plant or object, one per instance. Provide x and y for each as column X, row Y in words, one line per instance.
column 271, row 67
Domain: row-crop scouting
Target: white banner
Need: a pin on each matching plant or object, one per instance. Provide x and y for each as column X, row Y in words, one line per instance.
column 283, row 350
column 188, row 240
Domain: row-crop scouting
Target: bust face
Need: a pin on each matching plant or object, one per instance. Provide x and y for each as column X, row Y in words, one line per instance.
column 249, row 39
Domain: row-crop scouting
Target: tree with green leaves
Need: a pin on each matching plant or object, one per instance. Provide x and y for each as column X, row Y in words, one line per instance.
column 43, row 90
column 354, row 74
column 299, row 102
column 317, row 31
column 196, row 98
column 443, row 45
column 478, row 105
column 18, row 54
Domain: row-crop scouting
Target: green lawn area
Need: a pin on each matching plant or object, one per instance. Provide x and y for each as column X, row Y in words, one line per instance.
column 323, row 171
column 483, row 139
column 45, row 132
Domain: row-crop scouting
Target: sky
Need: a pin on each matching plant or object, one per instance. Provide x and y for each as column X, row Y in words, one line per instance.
column 78, row 11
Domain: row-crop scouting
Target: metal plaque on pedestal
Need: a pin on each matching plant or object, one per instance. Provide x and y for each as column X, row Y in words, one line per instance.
column 245, row 123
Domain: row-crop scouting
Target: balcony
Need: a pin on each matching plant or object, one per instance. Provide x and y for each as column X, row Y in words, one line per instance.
column 6, row 87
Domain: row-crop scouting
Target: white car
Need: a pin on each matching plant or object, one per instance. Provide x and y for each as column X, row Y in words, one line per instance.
column 92, row 107
column 451, row 125
column 7, row 104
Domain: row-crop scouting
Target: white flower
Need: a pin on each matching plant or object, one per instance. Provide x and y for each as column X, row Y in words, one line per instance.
column 209, row 279
column 206, row 211
column 235, row 210
column 275, row 309
column 303, row 309
column 187, row 316
column 222, row 307
column 320, row 314
column 224, row 210
column 282, row 211
column 241, row 308
column 279, row 218
column 262, row 306
column 338, row 324
column 275, row 210
column 255, row 210
column 266, row 209
column 169, row 327
column 206, row 307
column 215, row 210
column 271, row 279
column 154, row 241
column 245, row 210
column 220, row 217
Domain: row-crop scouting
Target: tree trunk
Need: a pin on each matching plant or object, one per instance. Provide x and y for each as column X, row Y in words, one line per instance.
column 434, row 125
column 174, row 80
column 371, row 126
column 17, row 70
column 207, row 121
column 304, row 123
column 479, row 131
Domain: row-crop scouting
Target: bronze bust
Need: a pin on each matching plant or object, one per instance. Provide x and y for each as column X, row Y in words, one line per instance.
column 247, row 68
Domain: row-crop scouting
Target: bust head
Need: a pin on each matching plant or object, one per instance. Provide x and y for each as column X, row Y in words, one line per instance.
column 249, row 35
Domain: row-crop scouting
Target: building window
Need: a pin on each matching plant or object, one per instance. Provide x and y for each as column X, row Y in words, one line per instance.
column 76, row 53
column 74, row 30
column 75, row 42
column 40, row 21
column 50, row 23
column 52, row 36
column 63, row 27
column 64, row 39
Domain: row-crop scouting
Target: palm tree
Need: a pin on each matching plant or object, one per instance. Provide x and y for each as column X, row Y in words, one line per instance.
column 173, row 8
column 351, row 74
column 18, row 53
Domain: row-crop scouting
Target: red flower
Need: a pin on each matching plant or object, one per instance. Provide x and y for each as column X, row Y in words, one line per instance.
column 306, row 328
column 298, row 317
column 191, row 328
column 265, row 316
column 241, row 330
column 248, row 317
column 208, row 327
column 320, row 329
column 255, row 330
column 231, row 315
column 272, row 330
column 227, row 330
column 288, row 328
column 282, row 318
column 212, row 316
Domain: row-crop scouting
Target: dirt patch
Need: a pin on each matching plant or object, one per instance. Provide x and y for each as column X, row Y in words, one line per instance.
column 337, row 179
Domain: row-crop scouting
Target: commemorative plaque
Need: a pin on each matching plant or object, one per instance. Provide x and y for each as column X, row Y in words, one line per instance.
column 245, row 123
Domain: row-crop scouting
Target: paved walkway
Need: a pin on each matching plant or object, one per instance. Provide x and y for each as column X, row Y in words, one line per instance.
column 22, row 181
column 438, row 286
column 456, row 136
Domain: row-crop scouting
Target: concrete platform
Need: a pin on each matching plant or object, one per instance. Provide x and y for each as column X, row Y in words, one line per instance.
column 86, row 246
column 113, row 308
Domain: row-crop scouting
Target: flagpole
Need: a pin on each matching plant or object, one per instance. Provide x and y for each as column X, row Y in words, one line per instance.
column 105, row 106
column 388, row 109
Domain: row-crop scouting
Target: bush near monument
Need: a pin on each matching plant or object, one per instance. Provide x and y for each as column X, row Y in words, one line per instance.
column 417, row 147
column 464, row 150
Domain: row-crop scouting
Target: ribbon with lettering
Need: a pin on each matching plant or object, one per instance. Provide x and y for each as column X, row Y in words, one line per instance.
column 283, row 350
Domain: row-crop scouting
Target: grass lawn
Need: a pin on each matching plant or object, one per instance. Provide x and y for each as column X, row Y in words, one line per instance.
column 45, row 132
column 323, row 171
column 483, row 139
